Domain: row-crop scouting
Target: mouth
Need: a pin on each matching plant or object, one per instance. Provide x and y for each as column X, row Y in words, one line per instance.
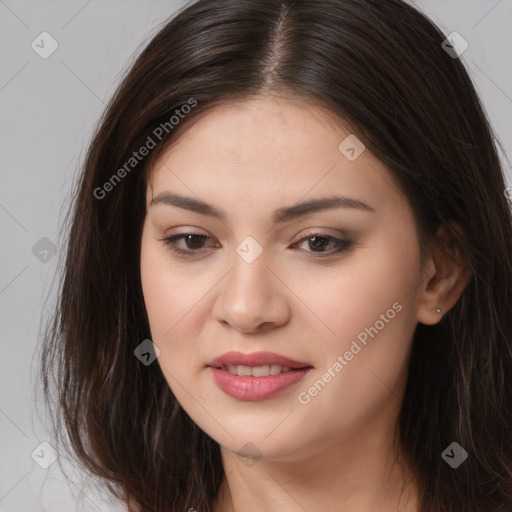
column 260, row 361
column 266, row 370
column 256, row 376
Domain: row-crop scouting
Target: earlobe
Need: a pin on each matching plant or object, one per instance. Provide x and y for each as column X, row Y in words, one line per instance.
column 448, row 276
column 429, row 316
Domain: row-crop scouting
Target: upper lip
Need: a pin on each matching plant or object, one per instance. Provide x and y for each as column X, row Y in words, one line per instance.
column 255, row 359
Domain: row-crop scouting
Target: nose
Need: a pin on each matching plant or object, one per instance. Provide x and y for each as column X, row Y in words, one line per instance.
column 252, row 297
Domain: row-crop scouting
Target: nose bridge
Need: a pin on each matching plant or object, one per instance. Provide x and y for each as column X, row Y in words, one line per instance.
column 251, row 295
column 249, row 279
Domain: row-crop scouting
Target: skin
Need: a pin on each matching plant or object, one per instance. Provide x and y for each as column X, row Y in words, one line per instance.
column 250, row 158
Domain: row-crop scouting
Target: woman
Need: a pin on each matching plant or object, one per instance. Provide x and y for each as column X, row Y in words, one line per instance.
column 288, row 280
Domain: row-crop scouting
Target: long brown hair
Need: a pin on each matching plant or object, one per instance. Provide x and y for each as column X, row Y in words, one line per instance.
column 379, row 65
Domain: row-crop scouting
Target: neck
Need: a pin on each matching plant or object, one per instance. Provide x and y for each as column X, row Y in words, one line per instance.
column 361, row 473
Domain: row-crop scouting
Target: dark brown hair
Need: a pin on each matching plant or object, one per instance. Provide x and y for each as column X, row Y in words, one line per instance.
column 378, row 65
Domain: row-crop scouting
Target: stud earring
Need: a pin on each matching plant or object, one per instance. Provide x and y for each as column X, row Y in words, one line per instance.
column 438, row 310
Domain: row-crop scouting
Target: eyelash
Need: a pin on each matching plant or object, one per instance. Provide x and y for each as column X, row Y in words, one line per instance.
column 343, row 245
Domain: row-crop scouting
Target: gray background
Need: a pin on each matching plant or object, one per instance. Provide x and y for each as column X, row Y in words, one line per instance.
column 48, row 109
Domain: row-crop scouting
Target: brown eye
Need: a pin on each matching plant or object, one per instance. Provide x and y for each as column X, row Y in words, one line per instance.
column 193, row 242
column 318, row 242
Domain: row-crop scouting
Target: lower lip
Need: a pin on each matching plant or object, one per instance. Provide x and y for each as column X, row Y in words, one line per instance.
column 255, row 388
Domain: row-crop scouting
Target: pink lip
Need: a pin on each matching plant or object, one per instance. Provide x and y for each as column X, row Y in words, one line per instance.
column 255, row 388
column 255, row 359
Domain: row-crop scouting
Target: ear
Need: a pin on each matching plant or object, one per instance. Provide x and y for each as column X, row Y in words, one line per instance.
column 447, row 273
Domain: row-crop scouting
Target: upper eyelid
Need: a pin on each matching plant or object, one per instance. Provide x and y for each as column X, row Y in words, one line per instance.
column 324, row 231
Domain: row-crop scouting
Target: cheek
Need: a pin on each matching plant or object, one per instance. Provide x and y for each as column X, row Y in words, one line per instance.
column 370, row 309
column 366, row 284
column 169, row 299
column 167, row 304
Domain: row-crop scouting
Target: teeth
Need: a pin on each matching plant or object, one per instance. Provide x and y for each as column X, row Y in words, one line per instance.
column 231, row 369
column 256, row 371
column 275, row 369
column 260, row 371
column 244, row 371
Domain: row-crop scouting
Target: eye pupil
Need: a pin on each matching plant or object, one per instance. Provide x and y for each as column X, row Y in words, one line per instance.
column 317, row 239
column 195, row 238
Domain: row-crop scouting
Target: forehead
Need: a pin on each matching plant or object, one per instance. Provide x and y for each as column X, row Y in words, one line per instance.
column 267, row 148
column 266, row 129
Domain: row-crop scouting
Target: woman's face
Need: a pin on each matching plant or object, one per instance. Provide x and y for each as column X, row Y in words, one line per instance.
column 253, row 280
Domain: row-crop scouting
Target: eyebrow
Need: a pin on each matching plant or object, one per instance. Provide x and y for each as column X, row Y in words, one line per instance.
column 280, row 215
